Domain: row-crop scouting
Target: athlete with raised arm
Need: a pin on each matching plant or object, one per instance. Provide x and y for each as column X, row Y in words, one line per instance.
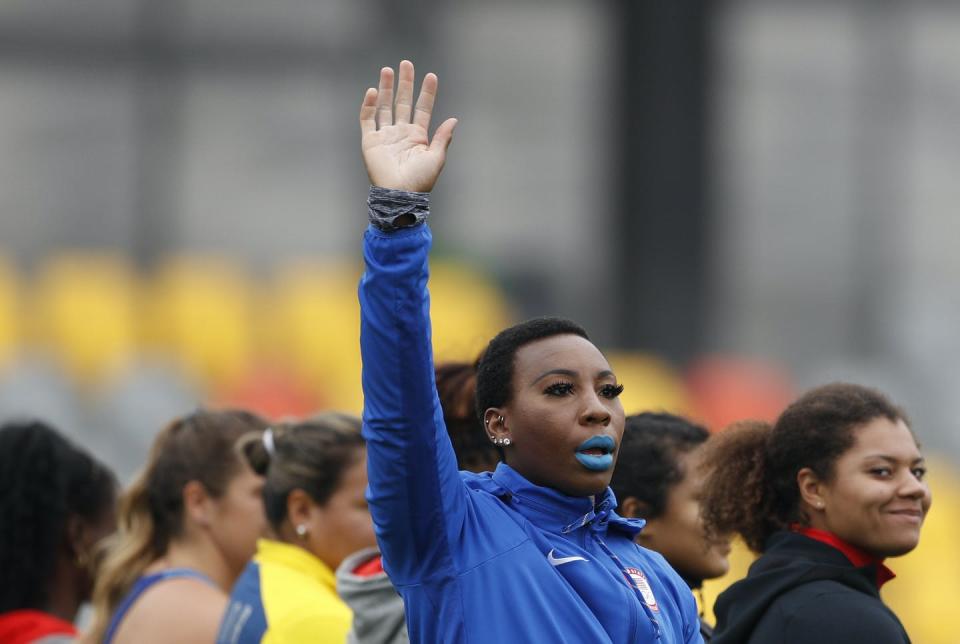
column 534, row 551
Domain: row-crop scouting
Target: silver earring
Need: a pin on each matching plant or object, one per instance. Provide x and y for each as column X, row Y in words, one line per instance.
column 500, row 418
column 302, row 531
column 506, row 442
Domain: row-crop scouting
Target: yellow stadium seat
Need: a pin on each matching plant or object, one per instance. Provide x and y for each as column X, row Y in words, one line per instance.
column 313, row 324
column 10, row 314
column 466, row 310
column 85, row 312
column 649, row 384
column 201, row 313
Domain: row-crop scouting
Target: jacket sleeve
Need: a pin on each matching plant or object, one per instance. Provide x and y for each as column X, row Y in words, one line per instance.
column 417, row 499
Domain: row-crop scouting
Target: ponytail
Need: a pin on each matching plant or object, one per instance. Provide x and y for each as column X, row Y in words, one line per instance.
column 736, row 495
column 310, row 455
column 126, row 554
column 199, row 447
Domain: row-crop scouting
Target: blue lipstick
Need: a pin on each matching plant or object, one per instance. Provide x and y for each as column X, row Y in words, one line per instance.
column 597, row 462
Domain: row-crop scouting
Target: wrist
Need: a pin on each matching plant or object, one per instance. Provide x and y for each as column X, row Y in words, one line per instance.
column 390, row 209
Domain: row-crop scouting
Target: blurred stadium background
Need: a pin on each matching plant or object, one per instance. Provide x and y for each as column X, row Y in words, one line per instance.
column 739, row 199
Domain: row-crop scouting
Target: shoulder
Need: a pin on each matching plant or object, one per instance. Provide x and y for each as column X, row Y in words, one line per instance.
column 831, row 612
column 183, row 610
column 327, row 621
column 290, row 596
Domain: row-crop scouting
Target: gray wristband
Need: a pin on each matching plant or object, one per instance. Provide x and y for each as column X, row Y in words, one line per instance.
column 391, row 210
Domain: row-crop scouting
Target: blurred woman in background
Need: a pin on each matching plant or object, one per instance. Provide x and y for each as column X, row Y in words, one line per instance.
column 56, row 504
column 316, row 475
column 824, row 495
column 658, row 478
column 187, row 527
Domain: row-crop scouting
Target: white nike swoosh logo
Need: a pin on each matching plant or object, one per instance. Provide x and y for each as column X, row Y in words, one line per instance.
column 559, row 561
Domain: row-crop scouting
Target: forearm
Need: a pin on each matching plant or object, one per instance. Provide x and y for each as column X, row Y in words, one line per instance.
column 414, row 485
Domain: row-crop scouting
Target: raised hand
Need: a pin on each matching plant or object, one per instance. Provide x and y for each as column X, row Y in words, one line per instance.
column 398, row 151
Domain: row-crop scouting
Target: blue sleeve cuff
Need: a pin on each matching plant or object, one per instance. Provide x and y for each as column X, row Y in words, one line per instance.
column 391, row 210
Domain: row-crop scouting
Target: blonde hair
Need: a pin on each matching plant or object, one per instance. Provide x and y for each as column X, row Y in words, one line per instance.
column 199, row 447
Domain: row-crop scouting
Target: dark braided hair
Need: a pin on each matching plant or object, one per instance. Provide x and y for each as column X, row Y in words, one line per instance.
column 648, row 462
column 751, row 488
column 495, row 367
column 44, row 480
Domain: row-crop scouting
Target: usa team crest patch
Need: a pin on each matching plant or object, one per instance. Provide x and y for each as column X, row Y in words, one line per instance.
column 639, row 580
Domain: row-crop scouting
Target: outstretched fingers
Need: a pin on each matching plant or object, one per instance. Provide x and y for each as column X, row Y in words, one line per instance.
column 385, row 98
column 368, row 112
column 428, row 94
column 404, row 92
column 443, row 136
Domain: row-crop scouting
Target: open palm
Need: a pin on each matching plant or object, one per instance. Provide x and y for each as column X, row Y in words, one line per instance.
column 395, row 142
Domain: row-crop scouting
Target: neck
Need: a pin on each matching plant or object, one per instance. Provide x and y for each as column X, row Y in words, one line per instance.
column 64, row 598
column 200, row 555
column 693, row 584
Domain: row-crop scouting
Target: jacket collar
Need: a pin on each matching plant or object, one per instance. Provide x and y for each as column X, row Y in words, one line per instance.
column 856, row 556
column 556, row 511
column 296, row 558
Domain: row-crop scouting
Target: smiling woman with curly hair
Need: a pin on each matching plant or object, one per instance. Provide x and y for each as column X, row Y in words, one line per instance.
column 825, row 494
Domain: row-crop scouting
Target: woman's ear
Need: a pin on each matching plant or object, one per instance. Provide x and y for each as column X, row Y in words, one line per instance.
column 495, row 424
column 299, row 506
column 811, row 488
column 196, row 503
column 633, row 508
column 75, row 538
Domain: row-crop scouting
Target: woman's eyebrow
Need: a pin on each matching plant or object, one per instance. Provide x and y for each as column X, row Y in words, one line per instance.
column 893, row 460
column 551, row 372
column 606, row 373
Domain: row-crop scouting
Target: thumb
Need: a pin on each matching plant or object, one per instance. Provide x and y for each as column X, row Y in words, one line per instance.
column 443, row 136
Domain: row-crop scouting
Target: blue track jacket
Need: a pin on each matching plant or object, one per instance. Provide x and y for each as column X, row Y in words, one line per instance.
column 491, row 557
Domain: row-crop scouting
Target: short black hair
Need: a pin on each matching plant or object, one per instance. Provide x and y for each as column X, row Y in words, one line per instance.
column 648, row 464
column 495, row 368
column 44, row 479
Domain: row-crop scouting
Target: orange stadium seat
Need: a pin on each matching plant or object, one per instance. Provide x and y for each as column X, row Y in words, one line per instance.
column 725, row 389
